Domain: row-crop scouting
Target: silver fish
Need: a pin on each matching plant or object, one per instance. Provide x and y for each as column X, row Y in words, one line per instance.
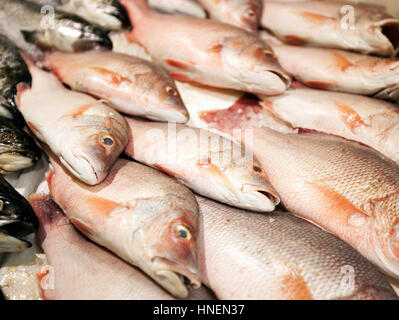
column 50, row 28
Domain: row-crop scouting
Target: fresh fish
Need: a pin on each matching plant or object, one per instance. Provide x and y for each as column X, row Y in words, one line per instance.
column 346, row 188
column 278, row 256
column 17, row 219
column 339, row 70
column 326, row 24
column 107, row 14
column 188, row 7
column 133, row 86
column 79, row 269
column 206, row 51
column 49, row 28
column 18, row 150
column 244, row 14
column 211, row 108
column 207, row 163
column 143, row 216
column 13, row 70
column 370, row 121
column 84, row 133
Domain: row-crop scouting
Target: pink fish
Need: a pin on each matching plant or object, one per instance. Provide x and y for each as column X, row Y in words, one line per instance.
column 206, row 51
column 140, row 214
column 133, row 86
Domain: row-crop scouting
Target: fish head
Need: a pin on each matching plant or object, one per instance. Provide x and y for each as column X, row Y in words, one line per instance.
column 245, row 177
column 17, row 219
column 69, row 33
column 246, row 15
column 167, row 243
column 98, row 136
column 18, row 150
column 163, row 99
column 252, row 63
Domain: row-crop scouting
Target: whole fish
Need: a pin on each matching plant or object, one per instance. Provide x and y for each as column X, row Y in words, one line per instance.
column 140, row 214
column 107, row 14
column 17, row 219
column 244, row 14
column 210, row 108
column 346, row 188
column 84, row 133
column 370, row 121
column 206, row 51
column 278, row 256
column 207, row 163
column 49, row 28
column 80, row 269
column 133, row 86
column 18, row 150
column 331, row 25
column 188, row 7
column 339, row 70
column 13, row 70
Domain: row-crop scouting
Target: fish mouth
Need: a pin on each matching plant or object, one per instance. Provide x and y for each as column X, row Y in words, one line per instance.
column 390, row 29
column 11, row 233
column 283, row 77
column 84, row 172
column 175, row 278
column 266, row 193
column 13, row 161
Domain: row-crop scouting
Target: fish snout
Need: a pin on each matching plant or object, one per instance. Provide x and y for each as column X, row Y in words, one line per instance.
column 260, row 198
column 177, row 279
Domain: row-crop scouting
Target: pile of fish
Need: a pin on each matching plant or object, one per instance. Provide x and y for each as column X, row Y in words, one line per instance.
column 182, row 149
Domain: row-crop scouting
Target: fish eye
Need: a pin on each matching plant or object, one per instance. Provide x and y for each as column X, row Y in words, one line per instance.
column 183, row 232
column 171, row 91
column 5, row 137
column 250, row 13
column 108, row 141
column 269, row 53
column 257, row 169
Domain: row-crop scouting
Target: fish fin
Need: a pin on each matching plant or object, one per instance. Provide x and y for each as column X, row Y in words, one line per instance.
column 101, row 206
column 179, row 64
column 165, row 170
column 179, row 76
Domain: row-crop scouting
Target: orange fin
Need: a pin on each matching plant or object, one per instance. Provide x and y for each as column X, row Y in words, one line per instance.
column 111, row 77
column 179, row 76
column 165, row 170
column 350, row 117
column 101, row 206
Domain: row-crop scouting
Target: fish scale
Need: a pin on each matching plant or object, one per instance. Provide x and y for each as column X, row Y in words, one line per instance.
column 287, row 258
